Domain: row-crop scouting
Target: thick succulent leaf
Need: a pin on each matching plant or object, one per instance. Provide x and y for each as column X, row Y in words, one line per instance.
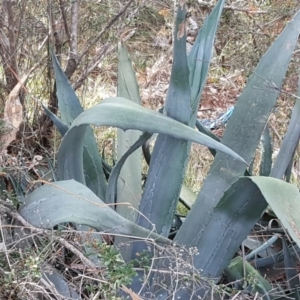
column 114, row 176
column 59, row 284
column 288, row 172
column 70, row 201
column 70, row 108
column 284, row 199
column 170, row 155
column 289, row 143
column 187, row 197
column 206, row 131
column 236, row 213
column 240, row 269
column 201, row 53
column 239, row 208
column 59, row 124
column 290, row 266
column 266, row 158
column 124, row 114
column 242, row 134
column 158, row 205
column 130, row 184
column 68, row 103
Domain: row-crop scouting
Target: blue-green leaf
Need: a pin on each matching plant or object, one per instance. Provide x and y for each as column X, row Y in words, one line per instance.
column 70, row 201
column 124, row 114
column 242, row 134
column 70, row 108
column 130, row 184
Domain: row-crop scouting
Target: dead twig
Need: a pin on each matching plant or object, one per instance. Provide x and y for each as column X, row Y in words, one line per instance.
column 104, row 30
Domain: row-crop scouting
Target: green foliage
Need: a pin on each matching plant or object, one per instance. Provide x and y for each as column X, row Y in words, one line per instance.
column 116, row 271
column 228, row 204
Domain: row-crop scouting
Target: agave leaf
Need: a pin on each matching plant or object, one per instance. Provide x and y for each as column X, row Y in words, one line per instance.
column 70, row 108
column 206, row 131
column 59, row 283
column 124, row 114
column 68, row 103
column 290, row 266
column 284, row 199
column 240, row 207
column 187, row 197
column 59, row 124
column 289, row 143
column 201, row 53
column 235, row 271
column 130, row 170
column 242, row 134
column 187, row 80
column 70, row 201
column 114, row 176
column 288, row 172
column 266, row 159
column 158, row 205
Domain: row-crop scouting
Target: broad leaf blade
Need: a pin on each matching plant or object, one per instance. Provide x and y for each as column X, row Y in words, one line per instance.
column 290, row 266
column 200, row 55
column 68, row 103
column 130, row 184
column 114, row 176
column 239, row 208
column 158, row 205
column 235, row 273
column 59, row 283
column 70, row 108
column 242, row 134
column 59, row 124
column 70, row 201
column 266, row 158
column 187, row 197
column 289, row 143
column 284, row 199
column 187, row 80
column 124, row 114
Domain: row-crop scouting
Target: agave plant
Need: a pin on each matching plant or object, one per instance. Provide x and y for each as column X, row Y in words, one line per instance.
column 230, row 201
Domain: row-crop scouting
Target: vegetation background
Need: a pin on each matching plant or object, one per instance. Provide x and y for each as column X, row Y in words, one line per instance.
column 84, row 35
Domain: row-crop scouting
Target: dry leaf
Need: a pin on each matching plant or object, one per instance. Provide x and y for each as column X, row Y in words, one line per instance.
column 131, row 293
column 13, row 112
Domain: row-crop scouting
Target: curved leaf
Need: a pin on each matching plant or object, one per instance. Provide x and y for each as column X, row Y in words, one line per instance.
column 123, row 114
column 114, row 176
column 59, row 124
column 59, row 284
column 284, row 199
column 289, row 143
column 170, row 155
column 242, row 134
column 70, row 201
column 240, row 269
column 290, row 266
column 70, row 108
column 158, row 205
column 200, row 56
column 130, row 183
